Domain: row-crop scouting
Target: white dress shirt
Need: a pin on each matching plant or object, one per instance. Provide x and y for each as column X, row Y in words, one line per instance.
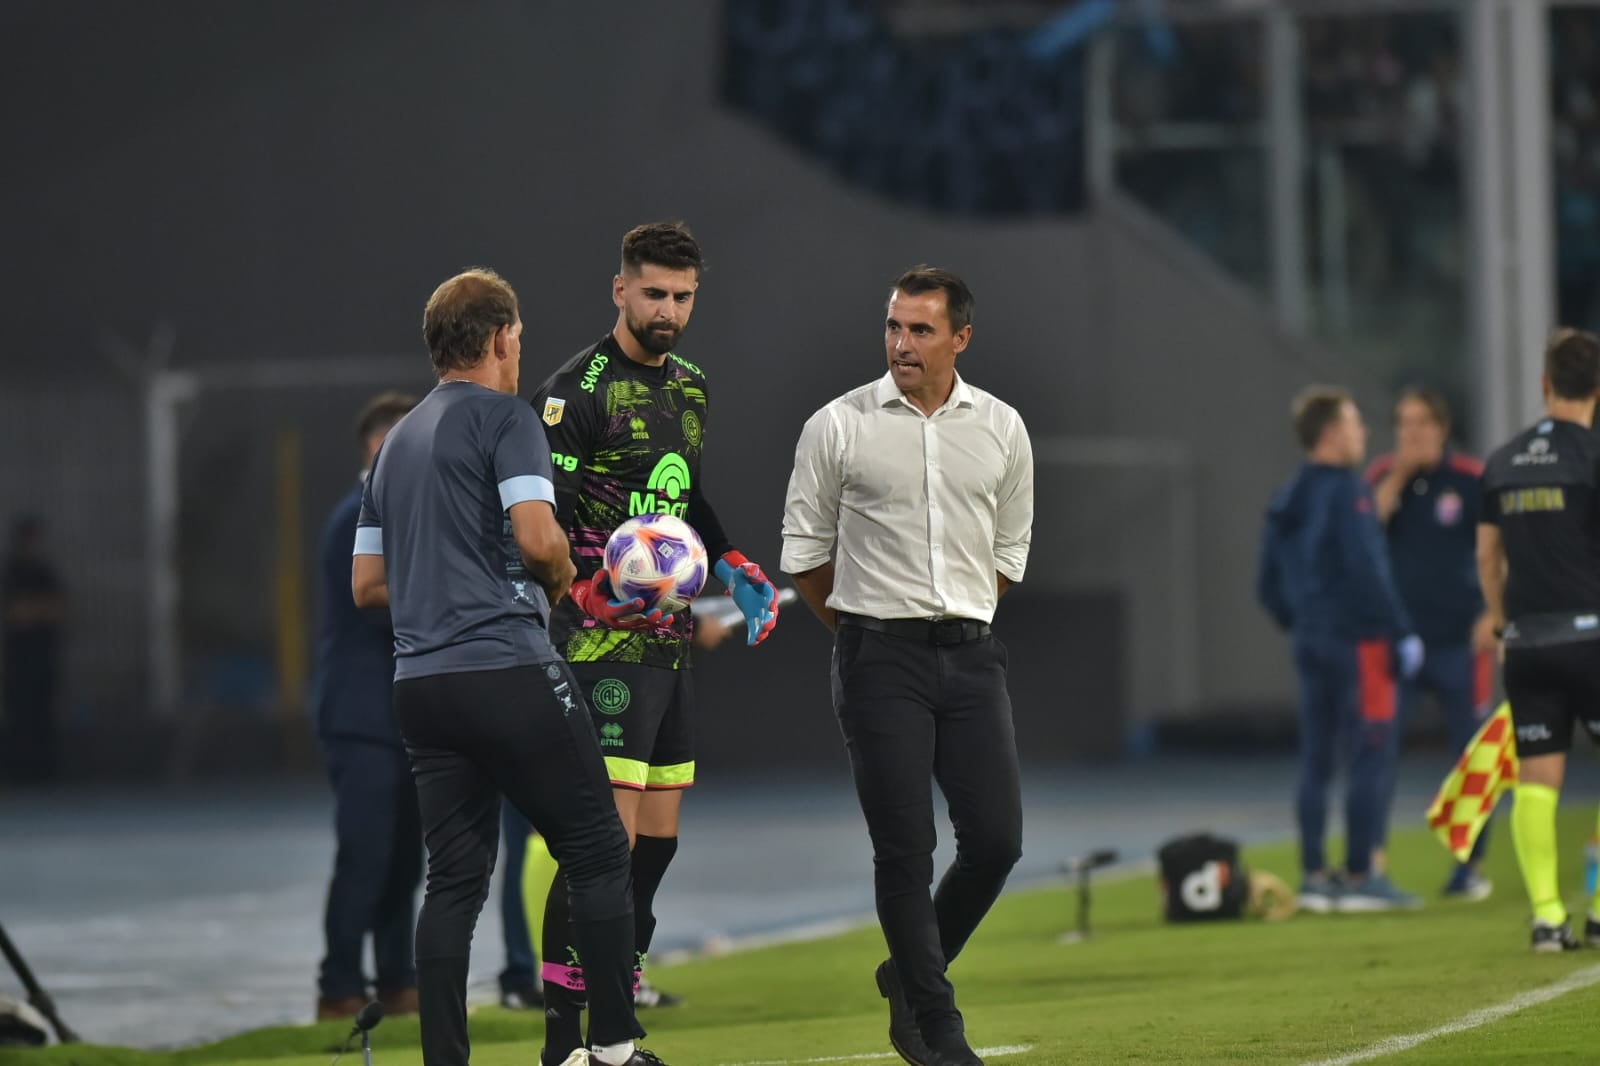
column 919, row 512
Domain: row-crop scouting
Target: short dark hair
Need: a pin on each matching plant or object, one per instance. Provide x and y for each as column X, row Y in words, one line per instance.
column 1315, row 409
column 382, row 412
column 463, row 313
column 1572, row 363
column 662, row 244
column 958, row 299
column 1438, row 407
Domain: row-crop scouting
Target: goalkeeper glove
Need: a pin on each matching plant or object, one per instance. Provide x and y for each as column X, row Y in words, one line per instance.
column 756, row 597
column 594, row 598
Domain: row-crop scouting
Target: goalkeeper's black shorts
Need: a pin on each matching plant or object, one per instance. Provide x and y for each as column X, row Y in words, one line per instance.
column 642, row 716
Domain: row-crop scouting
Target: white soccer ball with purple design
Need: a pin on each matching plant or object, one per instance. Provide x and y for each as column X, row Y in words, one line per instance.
column 658, row 559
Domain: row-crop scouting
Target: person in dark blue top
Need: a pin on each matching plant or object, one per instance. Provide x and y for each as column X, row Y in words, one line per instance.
column 1429, row 500
column 378, row 864
column 458, row 537
column 1324, row 577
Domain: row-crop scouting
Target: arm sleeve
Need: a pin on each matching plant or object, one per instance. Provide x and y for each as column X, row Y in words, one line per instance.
column 369, row 526
column 811, row 507
column 1269, row 578
column 706, row 523
column 520, row 457
column 1488, row 502
column 336, row 565
column 572, row 422
column 1013, row 527
column 1366, row 561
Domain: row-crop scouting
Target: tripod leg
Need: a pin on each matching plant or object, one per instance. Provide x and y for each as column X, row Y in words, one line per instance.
column 38, row 998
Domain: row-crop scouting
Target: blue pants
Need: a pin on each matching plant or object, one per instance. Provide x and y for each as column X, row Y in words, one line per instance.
column 1347, row 707
column 522, row 963
column 376, row 871
column 1458, row 679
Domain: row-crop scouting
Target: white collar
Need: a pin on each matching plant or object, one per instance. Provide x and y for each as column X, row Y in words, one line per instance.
column 887, row 392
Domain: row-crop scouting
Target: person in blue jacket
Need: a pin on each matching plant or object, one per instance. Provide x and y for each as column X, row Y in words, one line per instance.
column 378, row 865
column 1325, row 579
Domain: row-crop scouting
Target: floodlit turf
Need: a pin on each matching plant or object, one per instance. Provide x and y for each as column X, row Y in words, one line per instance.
column 1311, row 988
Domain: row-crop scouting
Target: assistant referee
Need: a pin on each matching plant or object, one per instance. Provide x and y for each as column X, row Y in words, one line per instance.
column 1539, row 564
column 920, row 488
column 458, row 537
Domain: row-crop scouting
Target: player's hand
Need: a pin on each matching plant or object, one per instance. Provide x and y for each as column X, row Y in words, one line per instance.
column 1410, row 653
column 594, row 599
column 756, row 596
column 1483, row 634
column 561, row 583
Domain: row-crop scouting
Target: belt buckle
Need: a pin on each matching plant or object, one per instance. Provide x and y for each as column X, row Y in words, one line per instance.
column 949, row 631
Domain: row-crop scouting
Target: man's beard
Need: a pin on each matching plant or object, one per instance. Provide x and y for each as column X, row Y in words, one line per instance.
column 654, row 341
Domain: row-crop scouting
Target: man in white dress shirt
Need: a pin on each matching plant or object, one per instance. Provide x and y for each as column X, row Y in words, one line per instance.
column 909, row 513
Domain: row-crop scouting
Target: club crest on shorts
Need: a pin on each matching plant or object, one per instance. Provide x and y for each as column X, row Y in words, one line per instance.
column 611, row 696
column 553, row 410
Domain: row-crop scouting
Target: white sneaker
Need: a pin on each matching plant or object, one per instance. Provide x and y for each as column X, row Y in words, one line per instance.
column 579, row 1057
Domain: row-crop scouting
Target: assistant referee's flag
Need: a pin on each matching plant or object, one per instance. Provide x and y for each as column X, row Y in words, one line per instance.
column 1466, row 799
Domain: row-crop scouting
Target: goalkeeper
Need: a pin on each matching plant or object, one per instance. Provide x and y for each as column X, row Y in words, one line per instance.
column 626, row 419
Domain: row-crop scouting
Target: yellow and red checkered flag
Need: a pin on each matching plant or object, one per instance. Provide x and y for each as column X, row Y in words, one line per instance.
column 1466, row 799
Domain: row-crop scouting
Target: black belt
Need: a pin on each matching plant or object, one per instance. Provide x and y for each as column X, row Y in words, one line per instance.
column 928, row 631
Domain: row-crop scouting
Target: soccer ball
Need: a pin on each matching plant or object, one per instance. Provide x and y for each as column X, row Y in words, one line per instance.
column 658, row 559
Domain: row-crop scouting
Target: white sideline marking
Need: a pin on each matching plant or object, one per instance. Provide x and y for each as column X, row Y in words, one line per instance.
column 1395, row 1044
column 1012, row 1049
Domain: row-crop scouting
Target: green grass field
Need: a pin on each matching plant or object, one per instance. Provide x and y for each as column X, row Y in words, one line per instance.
column 1311, row 988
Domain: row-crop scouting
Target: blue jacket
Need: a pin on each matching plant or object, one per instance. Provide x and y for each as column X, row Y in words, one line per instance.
column 353, row 683
column 1324, row 569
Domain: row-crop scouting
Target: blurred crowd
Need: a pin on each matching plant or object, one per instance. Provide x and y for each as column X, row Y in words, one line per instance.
column 1386, row 92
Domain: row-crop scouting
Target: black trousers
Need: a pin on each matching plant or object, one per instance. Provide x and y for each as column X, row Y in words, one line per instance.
column 526, row 733
column 913, row 712
column 376, row 870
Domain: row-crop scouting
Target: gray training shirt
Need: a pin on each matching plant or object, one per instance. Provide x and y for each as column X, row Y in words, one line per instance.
column 435, row 509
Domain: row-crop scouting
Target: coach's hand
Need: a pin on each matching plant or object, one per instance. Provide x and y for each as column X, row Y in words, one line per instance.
column 1410, row 653
column 756, row 597
column 593, row 598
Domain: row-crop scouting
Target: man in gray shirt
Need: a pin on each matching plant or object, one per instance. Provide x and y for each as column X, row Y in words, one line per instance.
column 458, row 537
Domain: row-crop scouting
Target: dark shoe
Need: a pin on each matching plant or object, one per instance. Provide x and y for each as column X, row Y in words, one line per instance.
column 522, row 997
column 1591, row 931
column 904, row 1036
column 641, row 1057
column 398, row 1000
column 953, row 1051
column 1553, row 939
column 344, row 1007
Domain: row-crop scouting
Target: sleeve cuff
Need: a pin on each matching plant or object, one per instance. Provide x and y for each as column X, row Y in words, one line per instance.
column 801, row 555
column 524, row 488
column 1012, row 569
column 369, row 540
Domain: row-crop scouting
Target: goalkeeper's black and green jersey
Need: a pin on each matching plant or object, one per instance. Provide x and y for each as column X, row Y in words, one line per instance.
column 625, row 439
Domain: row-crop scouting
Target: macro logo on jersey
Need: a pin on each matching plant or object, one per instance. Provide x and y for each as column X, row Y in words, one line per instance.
column 553, row 409
column 611, row 696
column 1538, row 454
column 667, row 491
